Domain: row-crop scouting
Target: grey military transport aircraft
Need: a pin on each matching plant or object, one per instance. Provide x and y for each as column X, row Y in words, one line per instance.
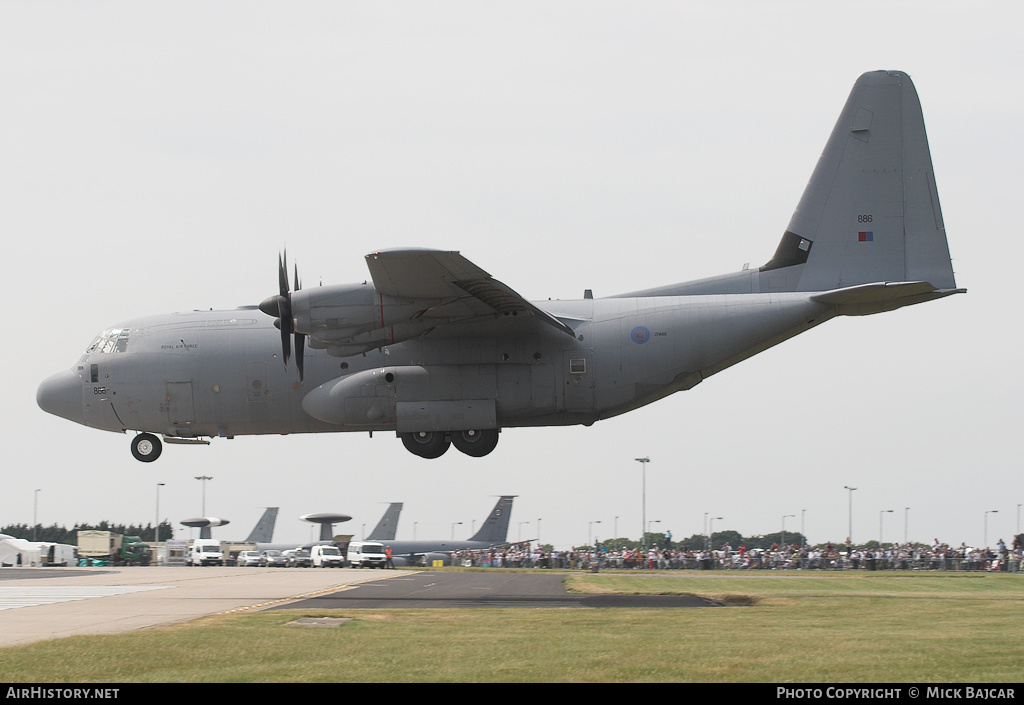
column 439, row 352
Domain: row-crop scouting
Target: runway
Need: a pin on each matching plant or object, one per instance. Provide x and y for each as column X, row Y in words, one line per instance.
column 51, row 603
column 429, row 590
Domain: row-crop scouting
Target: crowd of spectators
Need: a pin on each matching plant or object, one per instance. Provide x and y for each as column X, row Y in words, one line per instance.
column 911, row 556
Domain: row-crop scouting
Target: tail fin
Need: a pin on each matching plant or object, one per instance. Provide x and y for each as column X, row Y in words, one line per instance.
column 870, row 212
column 387, row 527
column 263, row 532
column 495, row 527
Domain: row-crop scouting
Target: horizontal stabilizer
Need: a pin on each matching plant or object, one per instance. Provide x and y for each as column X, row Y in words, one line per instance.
column 881, row 296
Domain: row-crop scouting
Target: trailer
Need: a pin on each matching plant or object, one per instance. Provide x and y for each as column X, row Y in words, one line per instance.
column 110, row 548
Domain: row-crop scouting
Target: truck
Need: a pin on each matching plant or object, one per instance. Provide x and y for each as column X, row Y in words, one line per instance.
column 366, row 553
column 111, row 548
column 324, row 556
column 204, row 552
column 59, row 554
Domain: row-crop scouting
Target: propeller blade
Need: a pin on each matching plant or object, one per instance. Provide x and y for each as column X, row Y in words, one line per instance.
column 285, row 318
column 282, row 274
column 300, row 344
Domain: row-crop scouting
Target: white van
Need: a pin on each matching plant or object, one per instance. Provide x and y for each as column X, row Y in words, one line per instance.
column 366, row 553
column 326, row 557
column 205, row 552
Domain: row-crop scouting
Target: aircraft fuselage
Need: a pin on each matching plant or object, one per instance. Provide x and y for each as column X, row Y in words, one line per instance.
column 221, row 373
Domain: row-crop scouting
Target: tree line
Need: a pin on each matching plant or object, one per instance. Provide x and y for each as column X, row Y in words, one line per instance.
column 60, row 534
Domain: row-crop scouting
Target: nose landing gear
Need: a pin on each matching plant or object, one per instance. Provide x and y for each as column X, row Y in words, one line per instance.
column 146, row 447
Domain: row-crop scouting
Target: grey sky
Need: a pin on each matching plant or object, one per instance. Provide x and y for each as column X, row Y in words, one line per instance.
column 157, row 156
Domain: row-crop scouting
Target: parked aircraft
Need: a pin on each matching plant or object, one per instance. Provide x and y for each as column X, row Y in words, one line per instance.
column 493, row 532
column 263, row 532
column 436, row 350
column 388, row 524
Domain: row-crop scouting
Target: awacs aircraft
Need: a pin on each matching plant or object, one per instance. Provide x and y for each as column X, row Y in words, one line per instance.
column 441, row 353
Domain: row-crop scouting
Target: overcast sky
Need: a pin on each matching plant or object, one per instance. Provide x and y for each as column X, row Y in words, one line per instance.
column 156, row 157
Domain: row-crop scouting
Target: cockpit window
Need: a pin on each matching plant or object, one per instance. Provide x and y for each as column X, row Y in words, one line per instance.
column 114, row 340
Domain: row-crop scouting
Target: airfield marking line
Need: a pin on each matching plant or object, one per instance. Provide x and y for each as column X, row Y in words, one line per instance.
column 13, row 597
column 336, row 588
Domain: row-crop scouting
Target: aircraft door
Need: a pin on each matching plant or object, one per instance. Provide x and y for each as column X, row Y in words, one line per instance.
column 578, row 386
column 180, row 406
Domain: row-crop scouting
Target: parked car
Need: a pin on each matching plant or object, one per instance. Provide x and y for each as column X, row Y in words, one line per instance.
column 272, row 559
column 246, row 559
column 299, row 558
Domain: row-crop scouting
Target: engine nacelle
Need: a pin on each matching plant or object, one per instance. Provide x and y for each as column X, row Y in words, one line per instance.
column 353, row 318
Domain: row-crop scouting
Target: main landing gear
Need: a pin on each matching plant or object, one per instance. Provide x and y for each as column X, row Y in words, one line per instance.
column 433, row 444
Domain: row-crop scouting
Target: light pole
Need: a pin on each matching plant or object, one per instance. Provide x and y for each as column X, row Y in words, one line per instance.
column 881, row 513
column 590, row 526
column 1018, row 519
column 906, row 524
column 538, row 532
column 849, row 530
column 784, row 516
column 803, row 534
column 454, row 524
column 156, row 525
column 643, row 509
column 204, row 478
column 987, row 512
column 35, row 511
column 711, row 530
column 616, row 532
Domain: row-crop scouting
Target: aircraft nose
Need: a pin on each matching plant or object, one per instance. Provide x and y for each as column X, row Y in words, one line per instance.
column 61, row 395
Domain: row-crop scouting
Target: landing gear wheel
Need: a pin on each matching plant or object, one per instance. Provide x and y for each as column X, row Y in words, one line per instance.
column 426, row 444
column 475, row 442
column 146, row 447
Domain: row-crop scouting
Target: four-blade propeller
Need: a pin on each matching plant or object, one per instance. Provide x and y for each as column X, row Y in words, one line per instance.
column 280, row 306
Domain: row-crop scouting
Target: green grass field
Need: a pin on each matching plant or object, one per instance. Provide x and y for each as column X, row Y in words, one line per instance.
column 790, row 628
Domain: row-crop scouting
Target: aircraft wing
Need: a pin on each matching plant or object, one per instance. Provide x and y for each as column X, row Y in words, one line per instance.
column 453, row 286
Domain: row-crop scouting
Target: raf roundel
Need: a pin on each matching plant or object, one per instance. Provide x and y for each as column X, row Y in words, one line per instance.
column 640, row 335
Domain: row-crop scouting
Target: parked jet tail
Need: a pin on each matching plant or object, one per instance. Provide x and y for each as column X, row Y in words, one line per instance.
column 495, row 526
column 388, row 524
column 263, row 532
column 870, row 214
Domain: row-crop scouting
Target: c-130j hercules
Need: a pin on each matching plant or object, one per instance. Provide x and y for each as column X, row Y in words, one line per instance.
column 438, row 351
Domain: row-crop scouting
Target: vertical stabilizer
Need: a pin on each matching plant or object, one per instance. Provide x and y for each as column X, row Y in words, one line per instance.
column 388, row 524
column 870, row 212
column 263, row 532
column 495, row 527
